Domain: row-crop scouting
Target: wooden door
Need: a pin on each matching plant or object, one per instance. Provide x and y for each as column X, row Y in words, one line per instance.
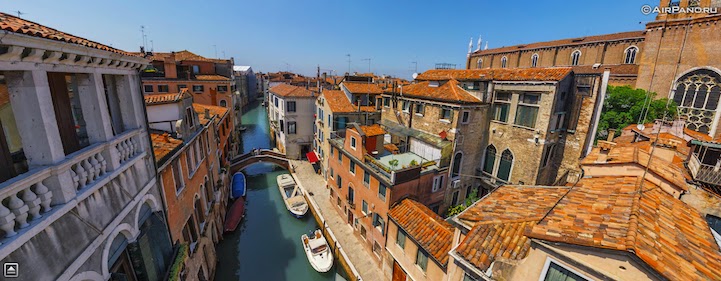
column 63, row 112
column 350, row 216
column 398, row 273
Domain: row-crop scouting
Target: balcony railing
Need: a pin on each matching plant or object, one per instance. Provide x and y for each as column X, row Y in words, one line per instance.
column 25, row 200
column 703, row 172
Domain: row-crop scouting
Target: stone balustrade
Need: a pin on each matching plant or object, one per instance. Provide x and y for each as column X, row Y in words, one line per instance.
column 25, row 199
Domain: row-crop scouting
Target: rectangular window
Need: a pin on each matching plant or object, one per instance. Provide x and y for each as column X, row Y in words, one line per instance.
column 111, row 95
column 527, row 110
column 68, row 111
column 222, row 88
column 275, row 101
column 386, row 102
column 290, row 106
column 190, row 118
column 406, row 106
column 446, row 114
column 196, row 69
column 401, row 239
column 437, row 183
column 366, row 178
column 422, row 260
column 340, row 157
column 198, row 88
column 454, row 201
column 282, row 126
column 331, row 173
column 420, row 109
column 148, row 88
column 378, row 103
column 555, row 272
column 364, row 207
column 163, row 88
column 178, row 176
column 501, row 107
column 352, row 167
column 465, row 117
column 352, row 142
column 291, row 127
column 339, row 181
column 181, row 87
column 378, row 223
column 12, row 155
column 382, row 192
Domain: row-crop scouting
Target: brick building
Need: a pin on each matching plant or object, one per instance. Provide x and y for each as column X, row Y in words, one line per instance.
column 190, row 176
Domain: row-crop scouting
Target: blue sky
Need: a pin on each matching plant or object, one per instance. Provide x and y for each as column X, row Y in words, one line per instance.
column 273, row 35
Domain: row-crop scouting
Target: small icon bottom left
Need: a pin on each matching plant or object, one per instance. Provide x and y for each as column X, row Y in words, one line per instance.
column 10, row 270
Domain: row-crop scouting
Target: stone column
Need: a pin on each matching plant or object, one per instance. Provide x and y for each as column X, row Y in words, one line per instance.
column 131, row 101
column 95, row 107
column 35, row 116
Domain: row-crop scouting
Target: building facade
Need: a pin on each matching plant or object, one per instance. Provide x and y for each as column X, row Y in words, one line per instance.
column 291, row 111
column 80, row 200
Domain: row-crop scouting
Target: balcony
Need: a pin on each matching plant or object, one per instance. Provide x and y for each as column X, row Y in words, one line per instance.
column 350, row 202
column 703, row 172
column 34, row 200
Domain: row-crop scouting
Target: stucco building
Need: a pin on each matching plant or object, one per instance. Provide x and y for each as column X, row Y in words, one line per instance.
column 79, row 197
column 291, row 111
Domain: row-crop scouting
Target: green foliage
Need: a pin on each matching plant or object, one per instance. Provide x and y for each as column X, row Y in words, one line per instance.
column 177, row 265
column 393, row 163
column 470, row 199
column 414, row 162
column 623, row 106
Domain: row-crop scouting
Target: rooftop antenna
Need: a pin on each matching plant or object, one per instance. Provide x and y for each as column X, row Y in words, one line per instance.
column 215, row 47
column 142, row 32
column 152, row 46
column 348, row 55
column 415, row 66
column 20, row 13
column 369, row 64
column 223, row 52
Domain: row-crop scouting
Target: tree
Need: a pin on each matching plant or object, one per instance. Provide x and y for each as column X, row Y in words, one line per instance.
column 624, row 105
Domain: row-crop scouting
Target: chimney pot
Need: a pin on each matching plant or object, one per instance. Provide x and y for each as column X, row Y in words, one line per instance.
column 207, row 113
column 611, row 134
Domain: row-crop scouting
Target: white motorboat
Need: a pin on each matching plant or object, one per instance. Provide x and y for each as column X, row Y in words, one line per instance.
column 292, row 196
column 318, row 252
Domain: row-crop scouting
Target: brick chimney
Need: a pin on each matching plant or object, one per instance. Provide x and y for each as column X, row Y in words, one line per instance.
column 169, row 65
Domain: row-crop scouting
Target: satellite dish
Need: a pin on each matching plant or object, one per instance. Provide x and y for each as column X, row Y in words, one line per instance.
column 640, row 127
column 415, row 75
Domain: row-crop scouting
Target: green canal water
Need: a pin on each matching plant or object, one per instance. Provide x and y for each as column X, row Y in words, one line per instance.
column 266, row 246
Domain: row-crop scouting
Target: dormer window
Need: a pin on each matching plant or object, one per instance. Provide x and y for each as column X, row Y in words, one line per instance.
column 434, row 84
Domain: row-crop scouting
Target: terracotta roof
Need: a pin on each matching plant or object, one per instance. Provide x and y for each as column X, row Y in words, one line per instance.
column 155, row 99
column 498, row 74
column 211, row 77
column 610, row 213
column 373, row 130
column 163, row 144
column 448, row 91
column 428, row 229
column 512, row 203
column 566, row 42
column 17, row 25
column 488, row 242
column 696, row 135
column 339, row 103
column 181, row 56
column 639, row 156
column 362, row 88
column 214, row 111
column 286, row 90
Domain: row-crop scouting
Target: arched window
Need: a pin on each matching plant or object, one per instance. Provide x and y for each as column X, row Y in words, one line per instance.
column 479, row 64
column 116, row 249
column 223, row 103
column 575, row 56
column 504, row 60
column 534, row 60
column 630, row 55
column 457, row 160
column 505, row 165
column 489, row 161
column 697, row 96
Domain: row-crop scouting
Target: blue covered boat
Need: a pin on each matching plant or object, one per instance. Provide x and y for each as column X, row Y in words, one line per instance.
column 238, row 185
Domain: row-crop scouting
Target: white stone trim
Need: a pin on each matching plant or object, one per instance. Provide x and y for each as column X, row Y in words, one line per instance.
column 153, row 202
column 126, row 230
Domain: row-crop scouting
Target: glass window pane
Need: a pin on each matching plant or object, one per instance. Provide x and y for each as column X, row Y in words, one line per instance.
column 12, row 154
column 526, row 116
column 504, row 167
column 490, row 160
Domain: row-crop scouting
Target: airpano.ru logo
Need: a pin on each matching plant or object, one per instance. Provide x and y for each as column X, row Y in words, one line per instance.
column 648, row 9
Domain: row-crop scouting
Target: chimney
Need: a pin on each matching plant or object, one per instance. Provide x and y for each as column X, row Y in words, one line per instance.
column 611, row 135
column 170, row 69
column 207, row 113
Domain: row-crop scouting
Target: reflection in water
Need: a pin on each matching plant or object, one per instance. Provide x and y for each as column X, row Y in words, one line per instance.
column 267, row 245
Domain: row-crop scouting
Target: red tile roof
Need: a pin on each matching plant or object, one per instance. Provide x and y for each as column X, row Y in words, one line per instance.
column 183, row 55
column 286, row 90
column 565, row 42
column 362, row 88
column 637, row 155
column 498, row 74
column 339, row 103
column 211, row 77
column 163, row 144
column 449, row 91
column 428, row 229
column 610, row 213
column 155, row 99
column 214, row 111
column 372, row 130
column 17, row 25
column 487, row 242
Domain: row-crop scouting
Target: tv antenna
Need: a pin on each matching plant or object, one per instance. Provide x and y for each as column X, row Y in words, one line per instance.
column 143, row 37
column 369, row 64
column 215, row 47
column 20, row 13
column 415, row 66
column 348, row 55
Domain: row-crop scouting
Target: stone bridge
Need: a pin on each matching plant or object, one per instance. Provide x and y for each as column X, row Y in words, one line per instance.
column 264, row 155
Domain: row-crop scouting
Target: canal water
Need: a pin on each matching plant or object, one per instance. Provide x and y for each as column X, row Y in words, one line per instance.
column 267, row 245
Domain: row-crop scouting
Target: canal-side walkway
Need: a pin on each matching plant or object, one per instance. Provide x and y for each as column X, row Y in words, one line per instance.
column 362, row 259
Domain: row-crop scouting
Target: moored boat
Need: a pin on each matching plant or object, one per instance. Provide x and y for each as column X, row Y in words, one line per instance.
column 235, row 215
column 238, row 185
column 318, row 252
column 292, row 197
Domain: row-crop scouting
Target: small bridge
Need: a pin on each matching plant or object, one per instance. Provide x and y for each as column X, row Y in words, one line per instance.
column 261, row 156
